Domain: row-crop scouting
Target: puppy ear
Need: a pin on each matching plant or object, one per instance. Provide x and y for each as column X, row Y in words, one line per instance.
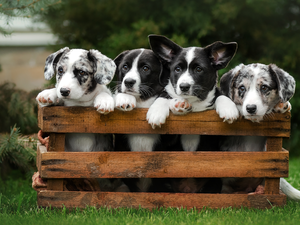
column 51, row 62
column 221, row 53
column 104, row 67
column 163, row 47
column 227, row 80
column 285, row 82
column 118, row 60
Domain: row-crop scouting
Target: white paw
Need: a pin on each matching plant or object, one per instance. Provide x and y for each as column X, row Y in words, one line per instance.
column 283, row 107
column 158, row 112
column 125, row 102
column 104, row 103
column 226, row 109
column 180, row 106
column 47, row 97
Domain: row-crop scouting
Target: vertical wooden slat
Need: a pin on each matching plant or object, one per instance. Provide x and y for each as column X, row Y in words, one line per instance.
column 57, row 144
column 272, row 184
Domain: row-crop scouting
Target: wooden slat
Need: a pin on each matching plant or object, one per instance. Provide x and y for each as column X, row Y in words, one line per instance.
column 81, row 119
column 56, row 144
column 156, row 200
column 40, row 150
column 271, row 184
column 163, row 164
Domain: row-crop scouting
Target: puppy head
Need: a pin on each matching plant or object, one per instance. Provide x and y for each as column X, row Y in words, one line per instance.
column 257, row 88
column 78, row 71
column 193, row 71
column 138, row 72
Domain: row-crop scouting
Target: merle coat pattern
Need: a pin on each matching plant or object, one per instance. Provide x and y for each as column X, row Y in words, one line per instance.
column 257, row 90
column 81, row 77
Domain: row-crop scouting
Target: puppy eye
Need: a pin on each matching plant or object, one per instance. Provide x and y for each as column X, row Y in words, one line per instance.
column 242, row 89
column 145, row 68
column 60, row 70
column 198, row 69
column 177, row 69
column 82, row 73
column 264, row 88
column 125, row 67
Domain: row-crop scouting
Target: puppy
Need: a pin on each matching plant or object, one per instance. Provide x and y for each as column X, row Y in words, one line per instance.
column 257, row 90
column 138, row 72
column 81, row 77
column 191, row 85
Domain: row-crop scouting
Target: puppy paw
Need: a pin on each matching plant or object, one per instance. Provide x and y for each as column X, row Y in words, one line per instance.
column 104, row 103
column 226, row 109
column 47, row 97
column 125, row 102
column 180, row 106
column 283, row 107
column 158, row 112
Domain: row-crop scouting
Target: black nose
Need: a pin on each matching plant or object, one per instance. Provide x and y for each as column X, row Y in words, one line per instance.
column 129, row 82
column 64, row 92
column 251, row 109
column 184, row 87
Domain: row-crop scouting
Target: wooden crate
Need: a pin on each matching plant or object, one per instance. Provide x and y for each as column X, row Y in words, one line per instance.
column 55, row 165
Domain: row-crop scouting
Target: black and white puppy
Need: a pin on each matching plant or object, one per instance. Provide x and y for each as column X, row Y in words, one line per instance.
column 192, row 83
column 257, row 90
column 81, row 79
column 138, row 72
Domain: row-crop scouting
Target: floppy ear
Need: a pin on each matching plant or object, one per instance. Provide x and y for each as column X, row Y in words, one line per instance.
column 51, row 63
column 163, row 47
column 221, row 53
column 227, row 80
column 285, row 82
column 118, row 60
column 105, row 67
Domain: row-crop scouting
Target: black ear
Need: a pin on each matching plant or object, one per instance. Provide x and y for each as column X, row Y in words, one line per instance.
column 118, row 60
column 221, row 53
column 285, row 82
column 163, row 47
column 227, row 81
column 51, row 62
column 105, row 67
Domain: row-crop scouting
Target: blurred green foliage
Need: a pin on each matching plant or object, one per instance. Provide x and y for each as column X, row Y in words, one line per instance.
column 17, row 107
column 267, row 31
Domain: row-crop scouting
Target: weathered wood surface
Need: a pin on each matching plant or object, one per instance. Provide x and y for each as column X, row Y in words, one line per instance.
column 163, row 164
column 56, row 144
column 272, row 184
column 156, row 200
column 88, row 120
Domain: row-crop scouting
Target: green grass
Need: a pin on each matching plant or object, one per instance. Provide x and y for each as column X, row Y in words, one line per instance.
column 18, row 206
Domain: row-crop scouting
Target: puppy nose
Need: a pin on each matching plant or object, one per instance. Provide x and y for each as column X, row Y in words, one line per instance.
column 65, row 92
column 251, row 109
column 184, row 87
column 129, row 82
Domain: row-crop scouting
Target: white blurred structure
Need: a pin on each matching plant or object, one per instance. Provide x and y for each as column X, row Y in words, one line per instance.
column 23, row 53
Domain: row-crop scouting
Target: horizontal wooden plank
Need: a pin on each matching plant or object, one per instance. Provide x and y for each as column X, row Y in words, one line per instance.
column 156, row 200
column 163, row 164
column 87, row 120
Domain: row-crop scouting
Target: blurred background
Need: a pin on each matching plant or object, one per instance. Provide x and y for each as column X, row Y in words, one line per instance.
column 267, row 31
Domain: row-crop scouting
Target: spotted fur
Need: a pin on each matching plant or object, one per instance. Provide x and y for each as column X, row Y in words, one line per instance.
column 257, row 90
